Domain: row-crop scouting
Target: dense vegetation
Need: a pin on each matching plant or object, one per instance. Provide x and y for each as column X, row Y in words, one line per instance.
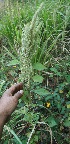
column 35, row 49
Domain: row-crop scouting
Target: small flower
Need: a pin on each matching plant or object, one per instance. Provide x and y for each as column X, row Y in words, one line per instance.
column 48, row 104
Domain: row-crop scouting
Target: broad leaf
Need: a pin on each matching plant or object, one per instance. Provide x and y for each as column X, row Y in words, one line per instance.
column 39, row 66
column 67, row 123
column 51, row 121
column 48, row 97
column 67, row 78
column 55, row 71
column 13, row 62
column 68, row 104
column 37, row 78
column 42, row 91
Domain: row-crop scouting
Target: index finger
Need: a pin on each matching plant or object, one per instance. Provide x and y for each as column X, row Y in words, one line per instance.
column 15, row 88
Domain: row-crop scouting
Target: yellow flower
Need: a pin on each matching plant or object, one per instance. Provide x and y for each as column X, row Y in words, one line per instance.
column 48, row 104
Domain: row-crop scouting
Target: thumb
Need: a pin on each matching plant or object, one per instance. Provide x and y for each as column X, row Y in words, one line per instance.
column 19, row 94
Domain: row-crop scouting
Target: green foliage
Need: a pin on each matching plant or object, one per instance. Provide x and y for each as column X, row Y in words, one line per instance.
column 41, row 91
column 37, row 78
column 39, row 66
column 35, row 49
column 13, row 133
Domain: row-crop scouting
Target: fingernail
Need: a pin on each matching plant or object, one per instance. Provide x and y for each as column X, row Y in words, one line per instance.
column 21, row 91
column 15, row 83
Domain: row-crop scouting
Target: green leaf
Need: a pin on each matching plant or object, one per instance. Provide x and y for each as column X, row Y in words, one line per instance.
column 39, row 102
column 55, row 71
column 67, row 78
column 48, row 97
column 39, row 66
column 1, row 84
column 42, row 91
column 36, row 138
column 14, row 134
column 37, row 78
column 68, row 104
column 67, row 123
column 13, row 62
column 69, row 117
column 17, row 138
column 51, row 121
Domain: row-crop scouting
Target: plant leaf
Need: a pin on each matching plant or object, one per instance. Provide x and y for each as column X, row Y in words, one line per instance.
column 13, row 133
column 42, row 91
column 17, row 138
column 55, row 71
column 13, row 62
column 68, row 104
column 39, row 66
column 67, row 123
column 51, row 121
column 1, row 84
column 37, row 78
column 67, row 78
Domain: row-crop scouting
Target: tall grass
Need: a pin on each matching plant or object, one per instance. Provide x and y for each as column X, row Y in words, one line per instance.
column 54, row 18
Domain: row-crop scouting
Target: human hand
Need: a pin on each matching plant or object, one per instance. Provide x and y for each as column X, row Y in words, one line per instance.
column 9, row 100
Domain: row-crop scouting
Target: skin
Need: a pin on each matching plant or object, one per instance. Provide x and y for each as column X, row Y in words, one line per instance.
column 8, row 103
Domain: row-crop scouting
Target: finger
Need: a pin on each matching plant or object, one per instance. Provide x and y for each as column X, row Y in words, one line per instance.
column 18, row 94
column 15, row 88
